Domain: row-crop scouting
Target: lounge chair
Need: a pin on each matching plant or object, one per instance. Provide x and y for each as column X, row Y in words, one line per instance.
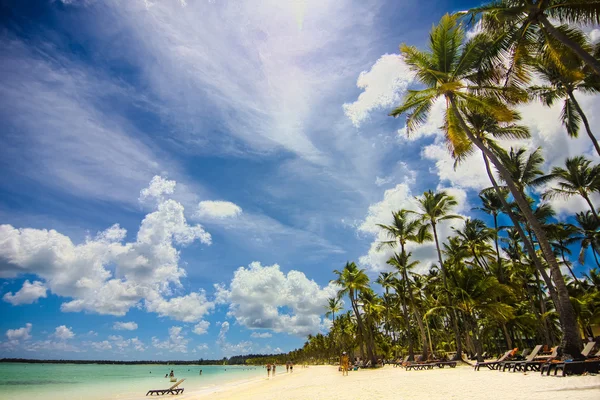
column 588, row 349
column 538, row 362
column 494, row 364
column 519, row 365
column 172, row 390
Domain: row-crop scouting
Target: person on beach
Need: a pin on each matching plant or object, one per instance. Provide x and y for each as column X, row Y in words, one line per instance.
column 274, row 366
column 344, row 363
column 269, row 370
column 291, row 367
column 287, row 366
column 171, row 374
column 200, row 372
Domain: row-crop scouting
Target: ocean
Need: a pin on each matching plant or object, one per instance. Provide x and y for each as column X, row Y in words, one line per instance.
column 103, row 382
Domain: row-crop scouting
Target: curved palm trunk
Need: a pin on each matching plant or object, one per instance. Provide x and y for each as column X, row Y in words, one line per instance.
column 453, row 316
column 526, row 242
column 571, row 342
column 589, row 202
column 576, row 48
column 359, row 323
column 585, row 122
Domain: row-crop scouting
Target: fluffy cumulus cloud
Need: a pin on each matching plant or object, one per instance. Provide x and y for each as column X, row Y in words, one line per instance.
column 122, row 344
column 265, row 297
column 382, row 86
column 19, row 334
column 143, row 269
column 201, row 327
column 158, row 188
column 125, row 326
column 397, row 198
column 28, row 294
column 176, row 342
column 217, row 209
column 101, row 346
column 63, row 333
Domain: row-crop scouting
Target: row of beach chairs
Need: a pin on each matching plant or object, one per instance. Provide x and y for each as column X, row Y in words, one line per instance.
column 545, row 364
column 420, row 364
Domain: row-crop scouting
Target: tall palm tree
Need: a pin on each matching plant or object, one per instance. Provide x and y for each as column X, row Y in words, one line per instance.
column 527, row 23
column 492, row 205
column 436, row 207
column 386, row 280
column 352, row 281
column 453, row 71
column 561, row 83
column 334, row 305
column 403, row 265
column 588, row 228
column 578, row 178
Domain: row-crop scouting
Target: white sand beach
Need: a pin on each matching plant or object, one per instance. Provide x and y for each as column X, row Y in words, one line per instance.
column 325, row 382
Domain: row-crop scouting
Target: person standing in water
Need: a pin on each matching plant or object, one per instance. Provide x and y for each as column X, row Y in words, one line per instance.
column 268, row 370
column 274, row 366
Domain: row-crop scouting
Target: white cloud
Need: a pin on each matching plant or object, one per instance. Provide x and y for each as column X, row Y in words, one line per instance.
column 223, row 332
column 189, row 308
column 217, row 209
column 201, row 327
column 146, row 268
column 261, row 335
column 383, row 181
column 202, row 346
column 63, row 333
column 29, row 293
column 122, row 344
column 256, row 295
column 176, row 341
column 157, row 189
column 125, row 326
column 384, row 85
column 101, row 346
column 19, row 334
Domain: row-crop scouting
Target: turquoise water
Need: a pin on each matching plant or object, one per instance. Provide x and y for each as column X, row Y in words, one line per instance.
column 100, row 382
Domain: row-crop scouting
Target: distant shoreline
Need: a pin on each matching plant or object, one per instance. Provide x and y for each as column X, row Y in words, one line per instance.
column 113, row 362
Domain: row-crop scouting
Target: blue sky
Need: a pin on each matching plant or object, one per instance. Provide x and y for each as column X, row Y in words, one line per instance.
column 180, row 177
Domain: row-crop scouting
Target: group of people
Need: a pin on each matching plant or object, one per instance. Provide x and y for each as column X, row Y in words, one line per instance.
column 289, row 367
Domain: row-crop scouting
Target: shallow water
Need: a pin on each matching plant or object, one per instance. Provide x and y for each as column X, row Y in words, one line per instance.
column 102, row 382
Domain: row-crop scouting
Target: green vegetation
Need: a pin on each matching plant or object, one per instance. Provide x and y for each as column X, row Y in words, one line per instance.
column 499, row 286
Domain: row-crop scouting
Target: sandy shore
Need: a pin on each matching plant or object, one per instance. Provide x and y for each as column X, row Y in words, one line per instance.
column 324, row 382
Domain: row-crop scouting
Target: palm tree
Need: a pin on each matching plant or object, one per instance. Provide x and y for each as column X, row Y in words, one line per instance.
column 492, row 205
column 436, row 207
column 475, row 236
column 454, row 71
column 526, row 24
column 334, row 304
column 561, row 83
column 402, row 264
column 386, row 280
column 588, row 228
column 578, row 178
column 352, row 281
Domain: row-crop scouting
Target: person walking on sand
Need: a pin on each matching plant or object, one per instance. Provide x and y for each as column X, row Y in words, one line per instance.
column 274, row 366
column 344, row 363
column 287, row 367
column 269, row 371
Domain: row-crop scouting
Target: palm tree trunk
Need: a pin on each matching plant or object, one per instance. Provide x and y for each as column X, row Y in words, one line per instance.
column 587, row 200
column 571, row 342
column 506, row 336
column 576, row 48
column 500, row 271
column 526, row 242
column 453, row 316
column 585, row 121
column 417, row 317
